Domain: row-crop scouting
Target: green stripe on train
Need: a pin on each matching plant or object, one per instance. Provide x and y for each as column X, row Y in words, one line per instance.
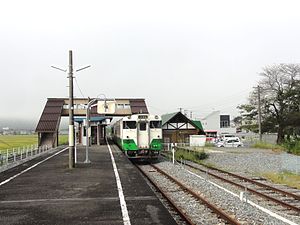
column 129, row 144
column 156, row 144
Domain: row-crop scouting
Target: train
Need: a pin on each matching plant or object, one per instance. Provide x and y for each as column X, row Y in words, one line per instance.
column 139, row 135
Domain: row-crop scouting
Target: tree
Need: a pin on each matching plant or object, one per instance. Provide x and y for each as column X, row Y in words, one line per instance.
column 280, row 100
column 249, row 114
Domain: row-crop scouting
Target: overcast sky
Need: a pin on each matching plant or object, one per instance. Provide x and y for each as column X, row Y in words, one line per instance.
column 199, row 55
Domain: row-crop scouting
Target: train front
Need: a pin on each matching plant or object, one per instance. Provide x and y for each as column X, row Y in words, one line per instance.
column 155, row 135
column 147, row 143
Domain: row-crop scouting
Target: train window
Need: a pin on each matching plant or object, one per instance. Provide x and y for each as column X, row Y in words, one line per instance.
column 129, row 125
column 155, row 124
column 143, row 126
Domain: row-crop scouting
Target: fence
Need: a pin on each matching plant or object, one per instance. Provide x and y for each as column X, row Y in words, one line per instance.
column 15, row 155
column 251, row 138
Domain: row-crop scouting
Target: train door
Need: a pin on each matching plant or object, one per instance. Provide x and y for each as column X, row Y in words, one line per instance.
column 143, row 135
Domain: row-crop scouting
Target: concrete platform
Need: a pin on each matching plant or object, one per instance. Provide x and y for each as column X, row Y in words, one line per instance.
column 51, row 193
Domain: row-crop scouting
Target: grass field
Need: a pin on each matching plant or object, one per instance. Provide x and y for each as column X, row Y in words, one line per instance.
column 63, row 139
column 15, row 141
column 287, row 178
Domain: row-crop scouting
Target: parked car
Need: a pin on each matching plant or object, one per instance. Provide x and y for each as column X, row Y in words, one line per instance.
column 232, row 142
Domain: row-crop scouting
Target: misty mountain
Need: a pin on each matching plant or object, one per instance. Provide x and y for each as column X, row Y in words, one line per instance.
column 18, row 124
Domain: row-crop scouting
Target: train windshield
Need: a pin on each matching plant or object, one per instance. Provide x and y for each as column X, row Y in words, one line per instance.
column 143, row 125
column 129, row 125
column 155, row 124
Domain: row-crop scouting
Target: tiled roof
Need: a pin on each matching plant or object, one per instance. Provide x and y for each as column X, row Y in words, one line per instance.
column 166, row 117
column 50, row 118
column 138, row 106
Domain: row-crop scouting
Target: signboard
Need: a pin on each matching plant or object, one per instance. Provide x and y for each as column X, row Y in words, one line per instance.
column 106, row 107
column 197, row 140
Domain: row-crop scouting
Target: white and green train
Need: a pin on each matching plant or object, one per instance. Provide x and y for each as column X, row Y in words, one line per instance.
column 139, row 136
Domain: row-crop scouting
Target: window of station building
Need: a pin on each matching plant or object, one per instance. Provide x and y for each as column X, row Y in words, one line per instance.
column 123, row 106
column 143, row 126
column 120, row 106
column 129, row 125
column 224, row 124
column 155, row 124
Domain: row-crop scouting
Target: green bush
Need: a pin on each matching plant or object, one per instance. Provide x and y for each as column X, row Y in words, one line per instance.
column 202, row 155
column 265, row 145
column 208, row 144
column 292, row 147
column 194, row 156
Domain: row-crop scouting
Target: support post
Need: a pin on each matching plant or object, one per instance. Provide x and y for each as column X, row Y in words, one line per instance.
column 259, row 114
column 173, row 154
column 71, row 114
column 87, row 132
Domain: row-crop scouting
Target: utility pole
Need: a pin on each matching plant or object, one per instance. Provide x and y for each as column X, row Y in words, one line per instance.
column 71, row 114
column 87, row 127
column 71, row 109
column 259, row 113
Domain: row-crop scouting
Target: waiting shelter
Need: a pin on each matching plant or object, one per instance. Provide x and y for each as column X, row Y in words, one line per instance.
column 48, row 125
column 177, row 128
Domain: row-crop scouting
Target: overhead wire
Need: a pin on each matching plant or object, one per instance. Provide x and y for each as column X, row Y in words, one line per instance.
column 78, row 87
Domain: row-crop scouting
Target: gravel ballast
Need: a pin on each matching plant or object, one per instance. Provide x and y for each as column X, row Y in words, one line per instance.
column 243, row 211
column 253, row 161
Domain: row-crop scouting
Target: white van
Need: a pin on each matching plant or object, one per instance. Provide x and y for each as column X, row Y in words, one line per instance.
column 233, row 143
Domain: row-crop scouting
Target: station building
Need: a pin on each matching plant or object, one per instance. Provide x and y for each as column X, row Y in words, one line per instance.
column 177, row 128
column 55, row 108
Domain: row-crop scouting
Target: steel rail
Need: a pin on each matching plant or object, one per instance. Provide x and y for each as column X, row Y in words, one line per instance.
column 295, row 208
column 181, row 213
column 257, row 183
column 214, row 208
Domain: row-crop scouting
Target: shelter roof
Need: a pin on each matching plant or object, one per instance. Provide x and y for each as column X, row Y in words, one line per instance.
column 198, row 124
column 179, row 116
column 92, row 119
column 50, row 118
column 166, row 117
column 138, row 106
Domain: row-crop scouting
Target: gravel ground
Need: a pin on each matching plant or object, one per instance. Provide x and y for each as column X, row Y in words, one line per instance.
column 198, row 212
column 253, row 161
column 243, row 211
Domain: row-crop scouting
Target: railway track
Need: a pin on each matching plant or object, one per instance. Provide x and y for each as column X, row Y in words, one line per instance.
column 286, row 199
column 191, row 205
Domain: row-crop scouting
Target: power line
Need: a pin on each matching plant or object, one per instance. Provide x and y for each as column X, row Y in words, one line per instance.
column 78, row 87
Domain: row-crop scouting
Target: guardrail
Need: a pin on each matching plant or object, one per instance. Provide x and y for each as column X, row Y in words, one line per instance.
column 16, row 155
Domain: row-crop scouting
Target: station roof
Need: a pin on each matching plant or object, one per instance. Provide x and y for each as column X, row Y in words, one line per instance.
column 168, row 117
column 198, row 124
column 50, row 117
column 54, row 109
column 92, row 119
